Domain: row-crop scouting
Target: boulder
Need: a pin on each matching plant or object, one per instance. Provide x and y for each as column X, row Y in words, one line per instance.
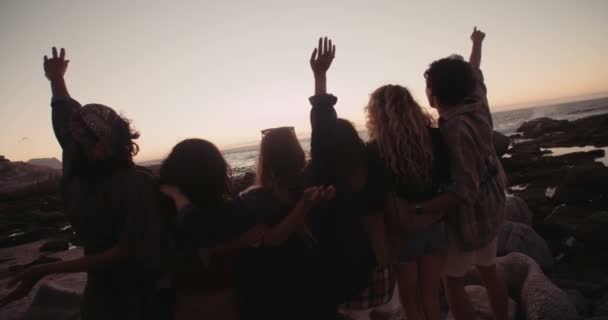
column 537, row 127
column 481, row 304
column 516, row 210
column 583, row 184
column 536, row 295
column 583, row 306
column 501, row 143
column 54, row 302
column 55, row 245
column 518, row 237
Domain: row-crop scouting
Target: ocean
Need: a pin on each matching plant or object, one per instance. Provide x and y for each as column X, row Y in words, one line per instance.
column 243, row 158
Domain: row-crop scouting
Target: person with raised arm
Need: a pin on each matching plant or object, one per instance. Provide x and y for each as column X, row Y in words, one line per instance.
column 475, row 198
column 112, row 205
column 361, row 277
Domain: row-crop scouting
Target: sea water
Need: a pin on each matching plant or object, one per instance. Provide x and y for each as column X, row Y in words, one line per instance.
column 506, row 122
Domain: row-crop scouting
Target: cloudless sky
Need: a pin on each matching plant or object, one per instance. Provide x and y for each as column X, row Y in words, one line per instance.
column 224, row 70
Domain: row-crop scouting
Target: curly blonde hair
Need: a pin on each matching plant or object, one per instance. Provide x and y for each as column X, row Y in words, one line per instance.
column 400, row 128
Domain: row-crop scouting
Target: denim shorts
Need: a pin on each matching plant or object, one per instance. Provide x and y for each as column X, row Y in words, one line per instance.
column 430, row 241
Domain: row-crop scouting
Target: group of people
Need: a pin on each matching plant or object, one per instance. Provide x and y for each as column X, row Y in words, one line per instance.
column 412, row 208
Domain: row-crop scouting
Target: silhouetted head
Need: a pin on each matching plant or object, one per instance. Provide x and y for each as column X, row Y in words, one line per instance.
column 198, row 168
column 449, row 81
column 399, row 126
column 104, row 138
column 281, row 159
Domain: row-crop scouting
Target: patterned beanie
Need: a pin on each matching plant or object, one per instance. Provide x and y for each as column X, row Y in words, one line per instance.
column 100, row 120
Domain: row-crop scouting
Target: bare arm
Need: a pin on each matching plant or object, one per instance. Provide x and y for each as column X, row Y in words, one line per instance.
column 477, row 38
column 28, row 279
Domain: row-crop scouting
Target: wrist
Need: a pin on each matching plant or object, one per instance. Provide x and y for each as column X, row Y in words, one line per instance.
column 55, row 78
column 321, row 75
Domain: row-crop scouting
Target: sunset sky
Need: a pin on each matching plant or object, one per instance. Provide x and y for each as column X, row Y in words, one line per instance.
column 224, row 70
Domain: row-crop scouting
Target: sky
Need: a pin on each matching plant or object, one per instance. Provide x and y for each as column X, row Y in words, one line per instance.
column 224, row 70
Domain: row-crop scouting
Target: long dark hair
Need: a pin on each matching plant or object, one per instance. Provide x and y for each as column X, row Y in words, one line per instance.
column 350, row 149
column 280, row 162
column 198, row 168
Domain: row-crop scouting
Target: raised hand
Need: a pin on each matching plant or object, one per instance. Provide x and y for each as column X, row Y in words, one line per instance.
column 56, row 66
column 477, row 36
column 321, row 57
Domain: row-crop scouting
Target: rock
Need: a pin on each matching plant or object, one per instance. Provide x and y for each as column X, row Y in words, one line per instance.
column 19, row 178
column 516, row 210
column 501, row 143
column 584, row 184
column 55, row 245
column 582, row 305
column 52, row 163
column 41, row 260
column 54, row 302
column 537, row 296
column 537, row 127
column 479, row 298
column 601, row 307
column 518, row 237
column 21, row 237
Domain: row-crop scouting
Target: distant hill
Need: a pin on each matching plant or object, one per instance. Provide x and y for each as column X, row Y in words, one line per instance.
column 52, row 163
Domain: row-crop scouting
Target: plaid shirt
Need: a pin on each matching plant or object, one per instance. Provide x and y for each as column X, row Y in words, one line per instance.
column 379, row 292
column 477, row 176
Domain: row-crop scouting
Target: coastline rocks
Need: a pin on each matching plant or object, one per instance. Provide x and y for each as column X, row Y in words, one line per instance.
column 19, row 178
column 52, row 163
column 537, row 296
column 54, row 302
column 516, row 210
column 518, row 237
column 501, row 143
column 55, row 245
column 481, row 304
column 539, row 126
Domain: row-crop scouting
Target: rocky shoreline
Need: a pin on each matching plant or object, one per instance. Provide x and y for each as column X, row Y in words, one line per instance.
column 553, row 248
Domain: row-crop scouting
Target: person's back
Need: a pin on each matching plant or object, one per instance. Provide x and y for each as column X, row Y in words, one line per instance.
column 113, row 207
column 106, row 213
column 475, row 197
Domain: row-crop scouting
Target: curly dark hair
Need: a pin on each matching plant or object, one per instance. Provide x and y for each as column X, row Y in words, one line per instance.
column 199, row 170
column 124, row 148
column 451, row 80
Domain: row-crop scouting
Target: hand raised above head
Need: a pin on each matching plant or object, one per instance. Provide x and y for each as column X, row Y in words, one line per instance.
column 321, row 57
column 477, row 36
column 56, row 66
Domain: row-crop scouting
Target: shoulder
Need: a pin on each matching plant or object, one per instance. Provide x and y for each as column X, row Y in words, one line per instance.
column 139, row 179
